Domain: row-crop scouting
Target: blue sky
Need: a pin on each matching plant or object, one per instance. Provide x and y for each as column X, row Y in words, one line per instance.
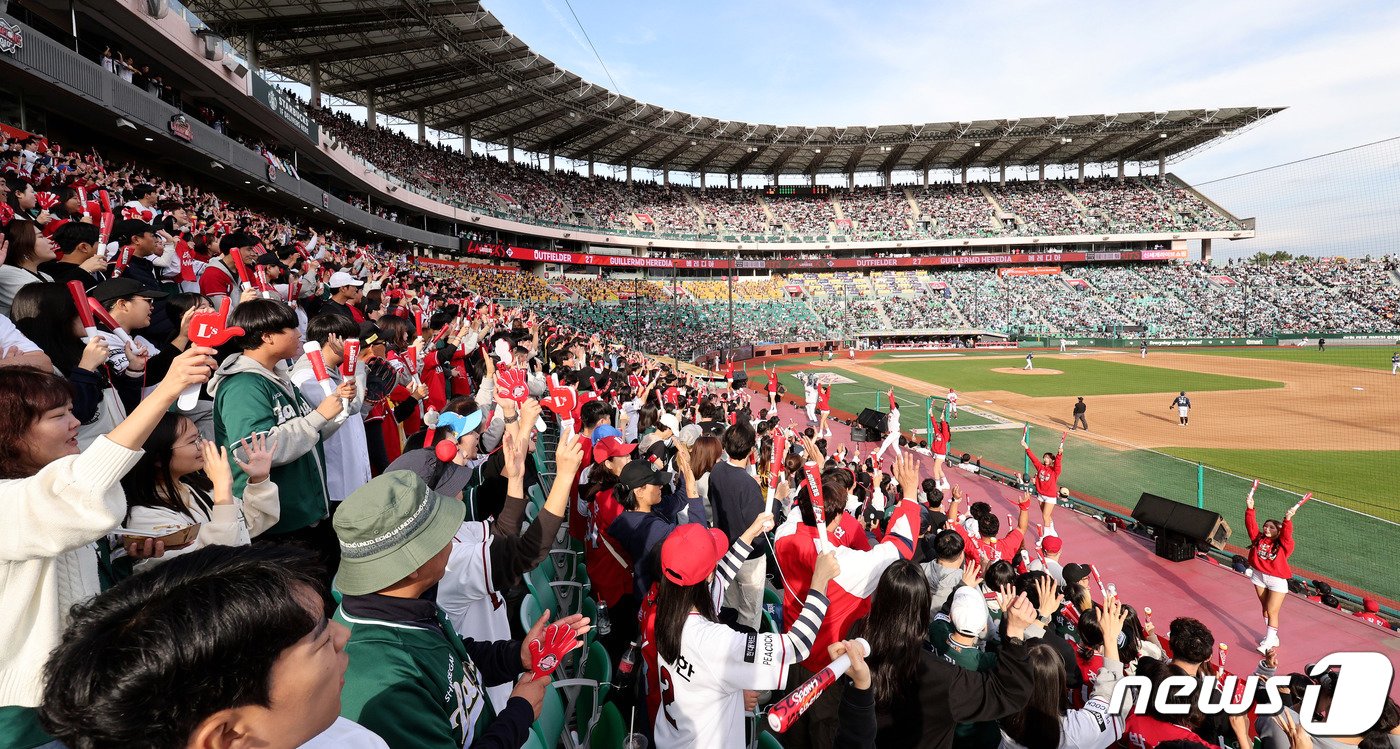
column 1335, row 65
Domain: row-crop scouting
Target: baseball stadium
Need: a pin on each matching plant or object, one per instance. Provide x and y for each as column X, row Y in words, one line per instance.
column 1066, row 373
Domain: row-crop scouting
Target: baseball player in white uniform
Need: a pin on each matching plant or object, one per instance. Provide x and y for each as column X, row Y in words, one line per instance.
column 952, row 404
column 809, row 394
column 1030, row 360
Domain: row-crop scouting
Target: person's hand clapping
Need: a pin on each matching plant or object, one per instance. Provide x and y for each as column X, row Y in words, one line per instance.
column 1050, row 598
column 1019, row 615
column 217, row 470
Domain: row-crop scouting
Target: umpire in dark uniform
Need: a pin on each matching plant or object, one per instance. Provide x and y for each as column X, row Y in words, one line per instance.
column 1079, row 408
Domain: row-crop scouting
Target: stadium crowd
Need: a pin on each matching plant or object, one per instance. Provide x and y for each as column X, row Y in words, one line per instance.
column 286, row 489
column 565, row 197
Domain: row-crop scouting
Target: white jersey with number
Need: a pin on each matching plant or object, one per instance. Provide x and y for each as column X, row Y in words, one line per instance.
column 470, row 599
column 702, row 693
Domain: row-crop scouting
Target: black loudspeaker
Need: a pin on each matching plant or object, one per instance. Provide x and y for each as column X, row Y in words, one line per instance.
column 860, row 434
column 1175, row 547
column 741, row 380
column 872, row 420
column 1198, row 526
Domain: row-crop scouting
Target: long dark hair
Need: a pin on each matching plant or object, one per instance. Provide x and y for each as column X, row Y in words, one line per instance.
column 674, row 603
column 896, row 627
column 1037, row 725
column 26, row 394
column 45, row 314
column 149, row 483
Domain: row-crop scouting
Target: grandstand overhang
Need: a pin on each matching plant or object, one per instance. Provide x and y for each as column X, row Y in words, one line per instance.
column 458, row 67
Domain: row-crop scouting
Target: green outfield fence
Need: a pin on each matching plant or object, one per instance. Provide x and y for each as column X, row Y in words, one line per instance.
column 1333, row 542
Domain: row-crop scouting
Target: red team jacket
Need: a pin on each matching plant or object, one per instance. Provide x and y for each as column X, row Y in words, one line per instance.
column 795, row 549
column 942, row 435
column 1269, row 556
column 1047, row 477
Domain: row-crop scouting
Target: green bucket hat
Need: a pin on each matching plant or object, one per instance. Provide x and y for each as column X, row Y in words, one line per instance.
column 390, row 527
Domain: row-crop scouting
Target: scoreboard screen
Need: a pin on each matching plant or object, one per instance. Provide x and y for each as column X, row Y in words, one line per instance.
column 796, row 191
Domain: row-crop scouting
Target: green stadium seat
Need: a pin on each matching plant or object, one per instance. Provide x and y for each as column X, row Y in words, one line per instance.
column 767, row 740
column 550, row 724
column 610, row 730
column 533, row 741
column 530, row 611
column 590, row 691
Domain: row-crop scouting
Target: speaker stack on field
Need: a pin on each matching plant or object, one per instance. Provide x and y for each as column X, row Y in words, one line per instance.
column 869, row 426
column 741, row 380
column 1181, row 529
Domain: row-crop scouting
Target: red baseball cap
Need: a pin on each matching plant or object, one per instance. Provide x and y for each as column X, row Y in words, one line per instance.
column 692, row 552
column 1372, row 605
column 1051, row 544
column 611, row 447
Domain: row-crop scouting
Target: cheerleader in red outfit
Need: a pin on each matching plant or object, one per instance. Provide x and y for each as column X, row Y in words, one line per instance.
column 772, row 389
column 1269, row 549
column 938, row 441
column 1047, row 483
column 823, row 408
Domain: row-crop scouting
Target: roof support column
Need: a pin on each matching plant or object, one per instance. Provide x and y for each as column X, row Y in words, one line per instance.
column 629, row 172
column 466, row 137
column 590, row 167
column 964, row 175
column 702, row 179
column 371, row 117
column 422, row 126
column 1002, row 178
column 1161, row 165
column 551, row 159
column 510, row 149
column 1081, row 170
column 811, row 179
column 850, row 180
column 1042, row 171
column 666, row 177
column 250, row 43
column 1205, row 250
column 889, row 177
column 315, row 83
column 775, row 178
column 923, row 178
column 1120, row 168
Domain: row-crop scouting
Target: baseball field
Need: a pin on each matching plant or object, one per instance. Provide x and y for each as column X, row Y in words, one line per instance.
column 1299, row 420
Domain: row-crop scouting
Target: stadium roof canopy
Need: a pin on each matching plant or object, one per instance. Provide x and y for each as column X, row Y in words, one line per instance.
column 454, row 62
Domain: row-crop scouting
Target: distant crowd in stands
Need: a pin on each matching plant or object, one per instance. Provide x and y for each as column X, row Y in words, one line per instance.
column 534, row 193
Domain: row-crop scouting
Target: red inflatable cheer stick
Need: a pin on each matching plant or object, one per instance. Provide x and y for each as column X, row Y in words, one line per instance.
column 207, row 329
column 241, row 267
column 775, row 469
column 107, row 319
column 549, row 649
column 814, row 489
column 79, row 294
column 782, row 715
column 318, row 366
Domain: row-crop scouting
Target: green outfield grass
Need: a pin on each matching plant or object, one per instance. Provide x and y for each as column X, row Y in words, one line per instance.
column 1359, row 480
column 1081, row 377
column 1365, row 357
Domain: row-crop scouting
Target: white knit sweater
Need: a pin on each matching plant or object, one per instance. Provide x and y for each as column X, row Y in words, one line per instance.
column 48, row 525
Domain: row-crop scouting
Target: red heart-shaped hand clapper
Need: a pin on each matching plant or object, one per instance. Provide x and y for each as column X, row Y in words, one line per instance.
column 549, row 649
column 510, row 384
column 207, row 327
column 561, row 401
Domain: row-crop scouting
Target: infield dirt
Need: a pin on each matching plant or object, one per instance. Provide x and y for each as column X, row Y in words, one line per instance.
column 1319, row 407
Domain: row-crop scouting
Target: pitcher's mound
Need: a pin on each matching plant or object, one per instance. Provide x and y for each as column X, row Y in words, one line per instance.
column 1018, row 370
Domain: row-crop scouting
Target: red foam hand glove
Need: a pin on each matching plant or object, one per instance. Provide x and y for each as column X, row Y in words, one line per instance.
column 46, row 200
column 562, row 402
column 546, row 652
column 510, row 384
column 207, row 327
